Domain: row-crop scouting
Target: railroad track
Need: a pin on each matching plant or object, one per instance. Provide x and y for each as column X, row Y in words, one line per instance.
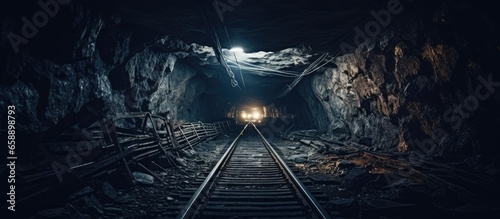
column 252, row 181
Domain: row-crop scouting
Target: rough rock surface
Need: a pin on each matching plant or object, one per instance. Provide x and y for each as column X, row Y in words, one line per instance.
column 425, row 86
column 412, row 88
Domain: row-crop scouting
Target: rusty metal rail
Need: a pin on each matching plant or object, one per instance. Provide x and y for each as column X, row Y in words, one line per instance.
column 251, row 181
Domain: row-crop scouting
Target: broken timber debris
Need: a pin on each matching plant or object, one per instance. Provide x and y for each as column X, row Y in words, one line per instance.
column 111, row 144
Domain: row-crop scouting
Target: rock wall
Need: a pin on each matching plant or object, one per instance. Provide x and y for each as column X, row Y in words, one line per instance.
column 416, row 87
column 82, row 54
column 426, row 83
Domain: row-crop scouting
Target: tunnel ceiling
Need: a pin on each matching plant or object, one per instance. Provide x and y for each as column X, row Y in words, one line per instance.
column 159, row 56
column 419, row 93
column 254, row 25
column 284, row 36
column 277, row 35
column 281, row 35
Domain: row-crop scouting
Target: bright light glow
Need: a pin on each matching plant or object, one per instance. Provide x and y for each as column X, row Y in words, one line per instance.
column 235, row 53
column 251, row 114
column 256, row 115
column 237, row 49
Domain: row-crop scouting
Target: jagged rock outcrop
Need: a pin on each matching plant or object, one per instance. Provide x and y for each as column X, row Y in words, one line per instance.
column 424, row 84
column 103, row 59
column 413, row 89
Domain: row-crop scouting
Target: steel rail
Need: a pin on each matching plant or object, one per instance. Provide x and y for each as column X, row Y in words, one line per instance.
column 196, row 202
column 299, row 185
column 190, row 207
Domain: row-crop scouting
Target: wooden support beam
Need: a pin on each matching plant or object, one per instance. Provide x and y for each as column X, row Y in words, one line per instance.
column 150, row 172
column 189, row 143
column 110, row 126
column 195, row 132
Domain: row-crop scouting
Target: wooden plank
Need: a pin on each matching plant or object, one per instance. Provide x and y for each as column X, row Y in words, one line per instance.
column 114, row 138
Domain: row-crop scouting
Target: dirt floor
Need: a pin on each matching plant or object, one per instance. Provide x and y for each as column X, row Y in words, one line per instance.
column 360, row 182
column 364, row 183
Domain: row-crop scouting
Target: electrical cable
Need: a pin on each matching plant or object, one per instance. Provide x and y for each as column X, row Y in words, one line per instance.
column 231, row 44
column 218, row 48
column 314, row 66
column 263, row 70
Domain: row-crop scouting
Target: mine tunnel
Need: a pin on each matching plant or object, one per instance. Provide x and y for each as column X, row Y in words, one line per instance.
column 250, row 109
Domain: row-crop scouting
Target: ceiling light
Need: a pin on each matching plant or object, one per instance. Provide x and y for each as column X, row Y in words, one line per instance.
column 236, row 49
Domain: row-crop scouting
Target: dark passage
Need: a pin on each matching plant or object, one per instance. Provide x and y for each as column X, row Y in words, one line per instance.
column 121, row 108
